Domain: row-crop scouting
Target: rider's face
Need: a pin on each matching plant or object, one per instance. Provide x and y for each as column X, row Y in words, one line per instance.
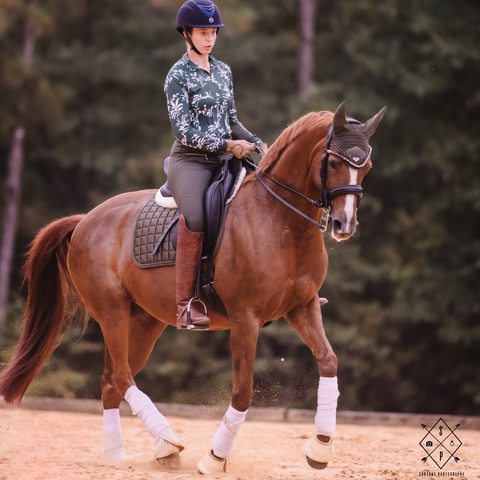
column 204, row 39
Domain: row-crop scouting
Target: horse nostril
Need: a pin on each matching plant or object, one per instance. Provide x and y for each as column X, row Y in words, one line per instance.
column 337, row 225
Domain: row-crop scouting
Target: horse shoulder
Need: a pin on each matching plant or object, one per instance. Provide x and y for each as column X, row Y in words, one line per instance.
column 259, row 253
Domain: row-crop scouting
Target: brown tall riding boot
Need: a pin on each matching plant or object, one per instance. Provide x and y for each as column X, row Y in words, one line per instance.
column 189, row 251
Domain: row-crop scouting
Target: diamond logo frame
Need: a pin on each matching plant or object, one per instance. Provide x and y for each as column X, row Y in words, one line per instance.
column 440, row 443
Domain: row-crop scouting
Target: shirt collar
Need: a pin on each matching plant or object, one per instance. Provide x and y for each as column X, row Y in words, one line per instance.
column 193, row 66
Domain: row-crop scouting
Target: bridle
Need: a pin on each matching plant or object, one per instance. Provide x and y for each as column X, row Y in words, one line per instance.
column 326, row 195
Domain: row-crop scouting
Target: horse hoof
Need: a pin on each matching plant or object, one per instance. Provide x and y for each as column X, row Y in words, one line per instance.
column 172, row 462
column 316, row 465
column 167, row 450
column 211, row 465
column 319, row 453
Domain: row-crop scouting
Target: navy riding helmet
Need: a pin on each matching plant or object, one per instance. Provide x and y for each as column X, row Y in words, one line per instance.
column 198, row 14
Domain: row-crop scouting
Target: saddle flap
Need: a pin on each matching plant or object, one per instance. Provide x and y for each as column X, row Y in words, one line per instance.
column 221, row 188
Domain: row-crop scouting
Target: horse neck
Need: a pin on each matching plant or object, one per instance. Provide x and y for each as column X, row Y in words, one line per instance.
column 294, row 167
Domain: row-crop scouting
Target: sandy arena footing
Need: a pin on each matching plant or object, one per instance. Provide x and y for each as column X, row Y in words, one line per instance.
column 47, row 444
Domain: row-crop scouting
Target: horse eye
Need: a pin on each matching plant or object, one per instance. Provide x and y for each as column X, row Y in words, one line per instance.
column 332, row 164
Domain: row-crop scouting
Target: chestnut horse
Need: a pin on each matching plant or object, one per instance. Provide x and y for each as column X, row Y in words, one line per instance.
column 271, row 263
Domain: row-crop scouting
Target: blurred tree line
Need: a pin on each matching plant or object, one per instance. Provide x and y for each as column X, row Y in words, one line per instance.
column 404, row 304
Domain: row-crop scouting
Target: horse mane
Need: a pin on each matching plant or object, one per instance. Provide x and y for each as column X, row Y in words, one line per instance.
column 311, row 121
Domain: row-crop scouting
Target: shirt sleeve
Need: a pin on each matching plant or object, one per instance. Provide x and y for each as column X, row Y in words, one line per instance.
column 239, row 132
column 179, row 114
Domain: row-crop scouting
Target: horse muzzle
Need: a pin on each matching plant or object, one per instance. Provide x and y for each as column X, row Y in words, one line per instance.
column 344, row 222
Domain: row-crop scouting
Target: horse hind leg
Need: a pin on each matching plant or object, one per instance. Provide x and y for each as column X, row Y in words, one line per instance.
column 112, row 429
column 145, row 331
column 140, row 334
column 167, row 445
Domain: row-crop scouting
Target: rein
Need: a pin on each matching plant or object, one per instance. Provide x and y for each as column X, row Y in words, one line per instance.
column 327, row 195
column 325, row 214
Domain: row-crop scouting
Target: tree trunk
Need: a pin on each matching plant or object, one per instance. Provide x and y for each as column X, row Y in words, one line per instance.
column 306, row 50
column 14, row 174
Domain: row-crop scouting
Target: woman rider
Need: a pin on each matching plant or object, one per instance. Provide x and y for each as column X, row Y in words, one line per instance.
column 202, row 112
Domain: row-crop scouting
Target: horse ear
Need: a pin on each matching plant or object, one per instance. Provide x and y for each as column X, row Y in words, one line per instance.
column 340, row 123
column 371, row 125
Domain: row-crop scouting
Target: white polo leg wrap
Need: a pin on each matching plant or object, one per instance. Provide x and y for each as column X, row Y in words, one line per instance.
column 112, row 435
column 157, row 425
column 224, row 439
column 325, row 419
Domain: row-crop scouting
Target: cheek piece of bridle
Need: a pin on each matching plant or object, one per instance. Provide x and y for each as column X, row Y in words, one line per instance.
column 354, row 149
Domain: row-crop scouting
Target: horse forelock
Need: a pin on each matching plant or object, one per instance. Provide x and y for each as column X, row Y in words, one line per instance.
column 316, row 123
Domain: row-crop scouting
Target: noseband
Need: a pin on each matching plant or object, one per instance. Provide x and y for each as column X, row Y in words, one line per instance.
column 326, row 195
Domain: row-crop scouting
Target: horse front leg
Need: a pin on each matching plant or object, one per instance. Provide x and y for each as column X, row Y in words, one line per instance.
column 307, row 321
column 243, row 340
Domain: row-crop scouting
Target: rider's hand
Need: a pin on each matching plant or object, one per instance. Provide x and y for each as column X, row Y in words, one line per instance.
column 240, row 148
column 264, row 148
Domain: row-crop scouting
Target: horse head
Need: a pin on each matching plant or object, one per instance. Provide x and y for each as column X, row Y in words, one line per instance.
column 342, row 157
column 345, row 163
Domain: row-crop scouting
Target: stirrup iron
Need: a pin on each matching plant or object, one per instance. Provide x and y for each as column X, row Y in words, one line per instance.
column 190, row 325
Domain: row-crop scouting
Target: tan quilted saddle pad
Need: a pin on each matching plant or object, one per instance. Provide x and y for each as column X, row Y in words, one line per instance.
column 154, row 222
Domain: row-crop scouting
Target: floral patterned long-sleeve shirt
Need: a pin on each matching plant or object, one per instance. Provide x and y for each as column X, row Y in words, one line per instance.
column 201, row 106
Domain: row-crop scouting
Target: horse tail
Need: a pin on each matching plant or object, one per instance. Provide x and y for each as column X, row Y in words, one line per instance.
column 51, row 304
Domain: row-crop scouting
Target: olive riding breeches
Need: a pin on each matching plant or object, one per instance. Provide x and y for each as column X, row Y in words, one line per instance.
column 189, row 176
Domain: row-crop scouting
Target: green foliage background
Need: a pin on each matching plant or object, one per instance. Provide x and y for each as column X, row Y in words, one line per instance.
column 404, row 307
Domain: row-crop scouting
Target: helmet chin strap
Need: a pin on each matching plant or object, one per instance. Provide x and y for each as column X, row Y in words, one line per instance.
column 189, row 40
